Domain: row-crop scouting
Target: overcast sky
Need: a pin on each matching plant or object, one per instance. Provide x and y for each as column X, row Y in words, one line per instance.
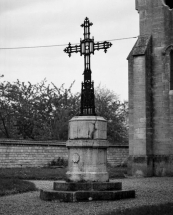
column 53, row 22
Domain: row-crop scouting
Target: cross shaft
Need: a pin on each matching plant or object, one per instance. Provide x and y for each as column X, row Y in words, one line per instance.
column 86, row 48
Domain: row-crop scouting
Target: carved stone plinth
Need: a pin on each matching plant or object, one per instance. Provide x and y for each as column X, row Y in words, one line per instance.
column 77, row 192
column 87, row 176
column 87, row 149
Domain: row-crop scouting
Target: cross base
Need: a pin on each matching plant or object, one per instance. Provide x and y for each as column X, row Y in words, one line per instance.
column 77, row 192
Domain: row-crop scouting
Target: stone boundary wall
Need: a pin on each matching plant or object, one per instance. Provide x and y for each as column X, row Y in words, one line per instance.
column 21, row 153
column 117, row 155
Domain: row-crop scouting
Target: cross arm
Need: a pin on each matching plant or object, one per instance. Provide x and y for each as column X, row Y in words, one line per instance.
column 70, row 49
column 102, row 45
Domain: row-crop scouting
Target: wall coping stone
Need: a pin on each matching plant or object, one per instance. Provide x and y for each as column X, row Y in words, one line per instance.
column 118, row 146
column 46, row 143
column 32, row 143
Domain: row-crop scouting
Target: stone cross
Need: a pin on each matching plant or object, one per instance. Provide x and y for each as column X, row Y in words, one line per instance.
column 87, row 47
column 87, row 175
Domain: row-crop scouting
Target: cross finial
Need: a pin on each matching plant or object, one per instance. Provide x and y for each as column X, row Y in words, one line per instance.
column 86, row 48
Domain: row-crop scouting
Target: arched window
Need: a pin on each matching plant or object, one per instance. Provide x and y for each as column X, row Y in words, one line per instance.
column 171, row 70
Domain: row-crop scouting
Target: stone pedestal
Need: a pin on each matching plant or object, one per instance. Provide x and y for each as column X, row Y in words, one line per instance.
column 87, row 176
column 77, row 192
column 87, row 149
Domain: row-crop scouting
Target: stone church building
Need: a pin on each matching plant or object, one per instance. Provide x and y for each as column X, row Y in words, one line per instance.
column 151, row 91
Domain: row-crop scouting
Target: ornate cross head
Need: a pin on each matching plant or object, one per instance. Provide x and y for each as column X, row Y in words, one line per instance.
column 87, row 47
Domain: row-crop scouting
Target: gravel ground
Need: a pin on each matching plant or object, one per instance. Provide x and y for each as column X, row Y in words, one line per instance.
column 149, row 191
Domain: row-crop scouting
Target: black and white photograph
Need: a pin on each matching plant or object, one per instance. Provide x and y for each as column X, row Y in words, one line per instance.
column 86, row 107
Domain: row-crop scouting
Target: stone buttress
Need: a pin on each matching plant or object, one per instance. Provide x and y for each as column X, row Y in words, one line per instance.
column 151, row 91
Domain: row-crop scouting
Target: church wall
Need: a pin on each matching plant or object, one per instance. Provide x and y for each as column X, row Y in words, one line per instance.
column 140, row 130
column 156, row 21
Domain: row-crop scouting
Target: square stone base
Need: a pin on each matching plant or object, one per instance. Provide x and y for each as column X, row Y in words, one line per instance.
column 76, row 192
column 83, row 186
column 78, row 196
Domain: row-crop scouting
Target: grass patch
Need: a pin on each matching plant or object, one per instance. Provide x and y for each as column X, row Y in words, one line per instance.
column 50, row 173
column 34, row 173
column 162, row 209
column 11, row 179
column 13, row 186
